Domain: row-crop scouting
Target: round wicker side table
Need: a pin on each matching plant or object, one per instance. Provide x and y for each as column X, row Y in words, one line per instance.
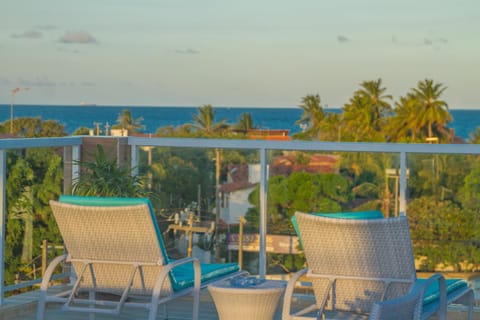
column 258, row 302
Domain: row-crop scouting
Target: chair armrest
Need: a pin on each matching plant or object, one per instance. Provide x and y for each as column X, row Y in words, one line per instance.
column 47, row 277
column 442, row 287
column 287, row 300
column 410, row 305
column 168, row 267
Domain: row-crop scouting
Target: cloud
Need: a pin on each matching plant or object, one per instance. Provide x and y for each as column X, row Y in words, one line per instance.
column 46, row 27
column 80, row 37
column 342, row 39
column 187, row 51
column 5, row 82
column 38, row 82
column 427, row 42
column 32, row 34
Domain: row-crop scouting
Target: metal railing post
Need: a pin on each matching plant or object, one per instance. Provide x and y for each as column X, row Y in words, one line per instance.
column 134, row 160
column 403, row 183
column 262, row 268
column 3, row 213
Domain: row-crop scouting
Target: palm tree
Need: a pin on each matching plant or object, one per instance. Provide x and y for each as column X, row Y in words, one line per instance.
column 245, row 122
column 204, row 121
column 125, row 121
column 313, row 114
column 405, row 124
column 358, row 120
column 375, row 98
column 433, row 111
column 475, row 136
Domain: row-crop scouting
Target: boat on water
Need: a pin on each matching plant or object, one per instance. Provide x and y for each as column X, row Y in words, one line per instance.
column 83, row 103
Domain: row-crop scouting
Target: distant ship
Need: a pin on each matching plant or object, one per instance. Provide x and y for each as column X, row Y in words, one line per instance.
column 83, row 103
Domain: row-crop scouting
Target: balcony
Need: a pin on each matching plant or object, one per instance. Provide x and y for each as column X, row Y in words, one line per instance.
column 398, row 168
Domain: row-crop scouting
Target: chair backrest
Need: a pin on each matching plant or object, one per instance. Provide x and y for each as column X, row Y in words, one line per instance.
column 118, row 202
column 359, row 215
column 116, row 238
column 360, row 255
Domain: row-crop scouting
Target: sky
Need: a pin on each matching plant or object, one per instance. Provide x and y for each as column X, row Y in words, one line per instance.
column 255, row 53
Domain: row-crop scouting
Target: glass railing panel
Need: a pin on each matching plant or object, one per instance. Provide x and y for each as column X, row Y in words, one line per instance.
column 33, row 177
column 328, row 182
column 199, row 195
column 444, row 211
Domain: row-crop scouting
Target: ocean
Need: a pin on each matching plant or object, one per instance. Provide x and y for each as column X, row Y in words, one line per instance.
column 73, row 117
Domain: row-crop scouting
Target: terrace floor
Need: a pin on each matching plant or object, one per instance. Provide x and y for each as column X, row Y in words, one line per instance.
column 24, row 307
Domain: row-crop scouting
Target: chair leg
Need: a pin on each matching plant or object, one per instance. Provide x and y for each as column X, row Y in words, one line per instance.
column 470, row 304
column 41, row 307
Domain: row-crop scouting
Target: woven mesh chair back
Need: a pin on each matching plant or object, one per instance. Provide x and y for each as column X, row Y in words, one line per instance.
column 115, row 238
column 375, row 250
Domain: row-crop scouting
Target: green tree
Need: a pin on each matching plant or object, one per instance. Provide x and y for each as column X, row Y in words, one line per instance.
column 81, row 131
column 376, row 99
column 204, row 121
column 103, row 177
column 245, row 122
column 475, row 136
column 405, row 125
column 303, row 192
column 433, row 112
column 312, row 115
column 364, row 116
column 36, row 127
column 469, row 194
column 23, row 210
column 358, row 123
column 126, row 121
column 439, row 230
column 34, row 177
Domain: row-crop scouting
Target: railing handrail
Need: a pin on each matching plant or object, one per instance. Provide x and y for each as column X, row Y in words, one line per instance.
column 22, row 143
column 307, row 145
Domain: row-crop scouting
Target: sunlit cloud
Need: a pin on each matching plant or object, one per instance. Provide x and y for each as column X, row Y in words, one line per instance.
column 31, row 34
column 342, row 39
column 79, row 37
column 187, row 51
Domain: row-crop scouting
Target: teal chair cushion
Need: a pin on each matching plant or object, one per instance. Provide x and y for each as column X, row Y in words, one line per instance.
column 432, row 292
column 182, row 276
column 359, row 215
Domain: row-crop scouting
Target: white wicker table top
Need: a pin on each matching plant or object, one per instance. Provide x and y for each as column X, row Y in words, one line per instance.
column 257, row 301
column 267, row 285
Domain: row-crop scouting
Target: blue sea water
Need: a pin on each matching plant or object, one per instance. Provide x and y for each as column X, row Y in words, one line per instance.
column 74, row 117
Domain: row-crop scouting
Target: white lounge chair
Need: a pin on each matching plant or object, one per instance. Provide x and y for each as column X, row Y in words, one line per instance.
column 353, row 264
column 115, row 247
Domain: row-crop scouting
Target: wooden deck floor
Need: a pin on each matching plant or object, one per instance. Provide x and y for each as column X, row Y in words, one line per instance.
column 180, row 308
column 24, row 307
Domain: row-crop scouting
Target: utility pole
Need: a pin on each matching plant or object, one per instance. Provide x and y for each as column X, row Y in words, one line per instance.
column 217, row 205
column 97, row 124
column 14, row 92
